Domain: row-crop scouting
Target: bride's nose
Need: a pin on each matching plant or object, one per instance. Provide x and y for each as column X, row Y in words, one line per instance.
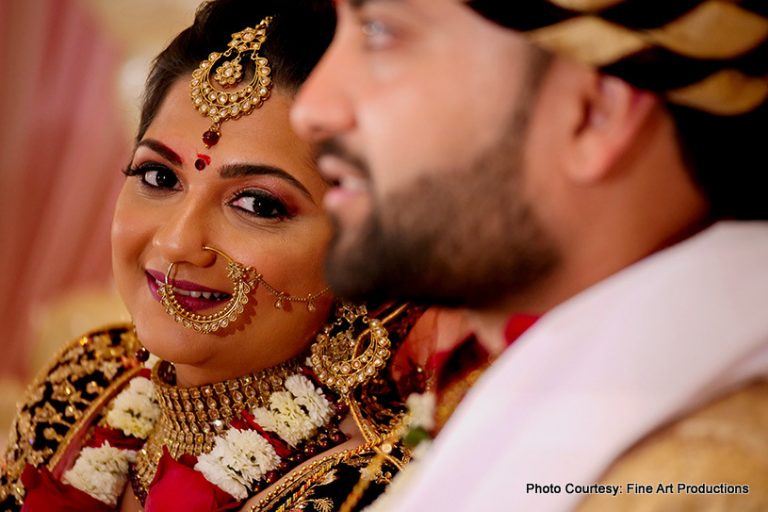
column 180, row 239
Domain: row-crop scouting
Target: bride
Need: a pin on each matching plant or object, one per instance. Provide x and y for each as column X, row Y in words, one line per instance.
column 241, row 381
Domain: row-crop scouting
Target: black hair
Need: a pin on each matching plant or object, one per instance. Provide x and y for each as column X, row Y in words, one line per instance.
column 726, row 156
column 300, row 32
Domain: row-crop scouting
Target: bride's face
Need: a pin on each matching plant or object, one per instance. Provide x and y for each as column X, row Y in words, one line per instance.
column 258, row 198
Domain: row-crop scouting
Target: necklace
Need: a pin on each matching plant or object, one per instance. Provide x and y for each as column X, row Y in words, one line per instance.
column 191, row 418
column 286, row 416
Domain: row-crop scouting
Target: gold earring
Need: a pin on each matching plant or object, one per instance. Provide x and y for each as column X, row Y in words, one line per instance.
column 341, row 360
column 238, row 273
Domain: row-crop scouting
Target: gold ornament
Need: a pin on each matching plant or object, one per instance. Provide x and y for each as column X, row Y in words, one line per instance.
column 343, row 361
column 217, row 97
column 244, row 280
column 243, row 284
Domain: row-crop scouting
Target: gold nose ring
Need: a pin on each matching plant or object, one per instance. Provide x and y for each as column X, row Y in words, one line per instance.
column 244, row 279
column 242, row 286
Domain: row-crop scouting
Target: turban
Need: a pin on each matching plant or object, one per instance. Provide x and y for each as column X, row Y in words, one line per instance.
column 709, row 55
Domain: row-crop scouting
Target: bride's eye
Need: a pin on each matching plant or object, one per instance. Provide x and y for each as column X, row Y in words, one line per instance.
column 155, row 176
column 260, row 203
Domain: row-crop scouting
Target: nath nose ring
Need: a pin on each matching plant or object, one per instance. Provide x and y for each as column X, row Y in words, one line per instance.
column 244, row 280
column 243, row 284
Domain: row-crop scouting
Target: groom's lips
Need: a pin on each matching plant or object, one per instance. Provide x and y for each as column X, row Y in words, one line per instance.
column 347, row 180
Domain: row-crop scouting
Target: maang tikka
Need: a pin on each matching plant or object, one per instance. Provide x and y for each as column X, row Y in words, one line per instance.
column 244, row 279
column 226, row 101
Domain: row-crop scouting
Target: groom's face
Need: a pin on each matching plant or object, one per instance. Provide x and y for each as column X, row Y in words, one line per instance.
column 421, row 109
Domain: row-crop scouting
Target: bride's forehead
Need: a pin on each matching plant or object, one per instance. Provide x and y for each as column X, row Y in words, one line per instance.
column 265, row 129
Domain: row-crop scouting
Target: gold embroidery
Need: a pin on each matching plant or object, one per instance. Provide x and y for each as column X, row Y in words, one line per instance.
column 63, row 399
column 299, row 483
column 322, row 504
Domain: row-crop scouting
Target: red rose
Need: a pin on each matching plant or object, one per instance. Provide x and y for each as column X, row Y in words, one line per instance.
column 177, row 486
column 45, row 493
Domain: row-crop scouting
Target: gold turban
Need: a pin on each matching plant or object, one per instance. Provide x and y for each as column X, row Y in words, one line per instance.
column 711, row 55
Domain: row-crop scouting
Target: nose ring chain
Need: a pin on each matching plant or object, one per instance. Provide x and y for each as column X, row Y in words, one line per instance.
column 244, row 280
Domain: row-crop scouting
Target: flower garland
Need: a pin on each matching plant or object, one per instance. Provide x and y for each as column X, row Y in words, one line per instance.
column 296, row 413
column 135, row 410
column 243, row 459
column 237, row 461
column 102, row 471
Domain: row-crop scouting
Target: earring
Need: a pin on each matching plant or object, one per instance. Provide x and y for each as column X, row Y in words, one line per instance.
column 142, row 354
column 342, row 361
column 239, row 275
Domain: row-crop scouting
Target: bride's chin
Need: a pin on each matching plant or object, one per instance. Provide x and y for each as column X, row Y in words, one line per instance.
column 171, row 341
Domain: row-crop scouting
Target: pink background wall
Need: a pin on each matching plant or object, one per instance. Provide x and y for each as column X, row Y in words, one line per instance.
column 62, row 145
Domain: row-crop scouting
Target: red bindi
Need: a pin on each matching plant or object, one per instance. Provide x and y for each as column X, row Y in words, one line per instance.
column 202, row 161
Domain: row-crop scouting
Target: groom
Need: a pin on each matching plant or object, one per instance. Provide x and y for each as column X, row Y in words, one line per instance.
column 573, row 159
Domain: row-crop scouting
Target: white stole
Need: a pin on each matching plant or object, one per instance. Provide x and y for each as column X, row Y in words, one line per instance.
column 601, row 371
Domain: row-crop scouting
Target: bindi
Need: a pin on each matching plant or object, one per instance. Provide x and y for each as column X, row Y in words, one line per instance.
column 202, row 161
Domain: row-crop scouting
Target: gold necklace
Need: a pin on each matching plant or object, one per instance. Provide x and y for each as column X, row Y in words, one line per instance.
column 191, row 418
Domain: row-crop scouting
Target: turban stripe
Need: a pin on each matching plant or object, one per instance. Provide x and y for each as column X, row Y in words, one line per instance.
column 710, row 55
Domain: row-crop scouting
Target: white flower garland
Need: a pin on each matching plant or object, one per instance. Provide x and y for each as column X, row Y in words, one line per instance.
column 101, row 472
column 239, row 459
column 295, row 414
column 135, row 410
column 421, row 407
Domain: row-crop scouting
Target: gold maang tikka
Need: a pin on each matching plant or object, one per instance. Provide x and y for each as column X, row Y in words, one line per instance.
column 226, row 100
column 244, row 280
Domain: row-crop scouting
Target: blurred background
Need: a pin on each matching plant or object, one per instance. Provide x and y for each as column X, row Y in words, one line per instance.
column 71, row 75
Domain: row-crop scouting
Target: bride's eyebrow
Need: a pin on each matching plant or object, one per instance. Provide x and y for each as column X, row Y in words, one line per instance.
column 162, row 150
column 239, row 170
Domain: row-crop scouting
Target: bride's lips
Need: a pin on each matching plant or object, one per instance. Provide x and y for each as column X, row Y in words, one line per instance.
column 192, row 296
column 347, row 179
